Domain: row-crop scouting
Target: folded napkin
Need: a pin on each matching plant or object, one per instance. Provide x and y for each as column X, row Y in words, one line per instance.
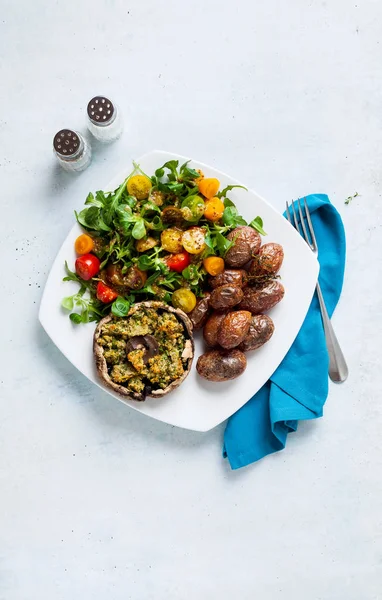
column 299, row 386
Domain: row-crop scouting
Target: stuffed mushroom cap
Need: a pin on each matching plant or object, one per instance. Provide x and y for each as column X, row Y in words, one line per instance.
column 150, row 347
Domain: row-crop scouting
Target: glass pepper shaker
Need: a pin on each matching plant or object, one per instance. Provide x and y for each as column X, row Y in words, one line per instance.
column 104, row 119
column 71, row 150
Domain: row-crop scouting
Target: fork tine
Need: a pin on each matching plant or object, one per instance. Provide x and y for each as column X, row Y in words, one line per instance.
column 314, row 242
column 287, row 213
column 307, row 238
column 295, row 219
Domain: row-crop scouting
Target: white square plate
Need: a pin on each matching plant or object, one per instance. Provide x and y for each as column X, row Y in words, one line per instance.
column 197, row 404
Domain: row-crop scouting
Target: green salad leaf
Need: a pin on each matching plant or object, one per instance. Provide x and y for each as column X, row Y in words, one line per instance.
column 116, row 221
column 120, row 307
column 257, row 224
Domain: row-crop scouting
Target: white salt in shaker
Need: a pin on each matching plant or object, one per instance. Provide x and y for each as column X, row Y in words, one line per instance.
column 71, row 150
column 104, row 119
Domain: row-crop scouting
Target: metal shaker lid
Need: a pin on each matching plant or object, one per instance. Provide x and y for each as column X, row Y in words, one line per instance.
column 101, row 110
column 66, row 143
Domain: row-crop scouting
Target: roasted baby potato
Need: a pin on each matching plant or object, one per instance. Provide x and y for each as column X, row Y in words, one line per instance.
column 262, row 298
column 260, row 331
column 234, row 328
column 221, row 365
column 200, row 313
column 225, row 296
column 229, row 277
column 247, row 242
column 211, row 328
column 268, row 261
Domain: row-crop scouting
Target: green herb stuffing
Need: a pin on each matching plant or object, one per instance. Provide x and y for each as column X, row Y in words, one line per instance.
column 135, row 368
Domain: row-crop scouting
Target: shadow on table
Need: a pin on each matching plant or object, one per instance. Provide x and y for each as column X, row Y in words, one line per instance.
column 59, row 180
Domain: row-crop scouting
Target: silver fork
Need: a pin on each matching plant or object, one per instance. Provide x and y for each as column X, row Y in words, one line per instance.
column 338, row 370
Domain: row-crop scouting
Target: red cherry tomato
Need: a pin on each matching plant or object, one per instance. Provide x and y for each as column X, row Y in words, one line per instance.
column 178, row 262
column 105, row 293
column 87, row 266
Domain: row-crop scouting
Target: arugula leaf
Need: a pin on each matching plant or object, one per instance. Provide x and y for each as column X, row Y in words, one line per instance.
column 172, row 166
column 145, row 263
column 72, row 276
column 222, row 244
column 194, row 274
column 93, row 201
column 187, row 174
column 257, row 224
column 223, row 193
column 232, row 218
column 120, row 307
column 81, row 217
column 175, row 187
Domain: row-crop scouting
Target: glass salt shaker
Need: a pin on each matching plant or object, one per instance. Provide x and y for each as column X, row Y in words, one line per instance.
column 104, row 119
column 71, row 150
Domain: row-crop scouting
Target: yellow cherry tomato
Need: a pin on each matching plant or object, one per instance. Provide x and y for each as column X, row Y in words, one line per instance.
column 184, row 299
column 83, row 244
column 139, row 186
column 208, row 186
column 194, row 240
column 214, row 208
column 214, row 265
column 171, row 240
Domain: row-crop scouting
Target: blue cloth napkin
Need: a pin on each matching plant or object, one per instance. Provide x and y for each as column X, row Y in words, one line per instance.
column 299, row 386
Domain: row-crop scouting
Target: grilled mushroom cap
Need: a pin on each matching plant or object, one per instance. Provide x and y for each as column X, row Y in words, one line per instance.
column 149, row 342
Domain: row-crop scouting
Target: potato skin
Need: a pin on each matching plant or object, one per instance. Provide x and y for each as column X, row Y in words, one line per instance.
column 260, row 299
column 225, row 296
column 234, row 328
column 229, row 277
column 221, row 365
column 200, row 313
column 247, row 243
column 238, row 255
column 260, row 331
column 268, row 261
column 211, row 328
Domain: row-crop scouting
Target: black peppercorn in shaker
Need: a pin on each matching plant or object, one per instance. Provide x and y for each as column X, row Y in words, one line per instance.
column 71, row 149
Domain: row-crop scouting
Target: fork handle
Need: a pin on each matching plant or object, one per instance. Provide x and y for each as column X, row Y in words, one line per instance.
column 338, row 370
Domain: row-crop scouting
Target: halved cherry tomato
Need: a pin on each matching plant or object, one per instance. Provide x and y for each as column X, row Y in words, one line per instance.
column 139, row 186
column 87, row 266
column 171, row 240
column 184, row 299
column 208, row 186
column 83, row 244
column 178, row 262
column 214, row 209
column 104, row 293
column 194, row 240
column 214, row 265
